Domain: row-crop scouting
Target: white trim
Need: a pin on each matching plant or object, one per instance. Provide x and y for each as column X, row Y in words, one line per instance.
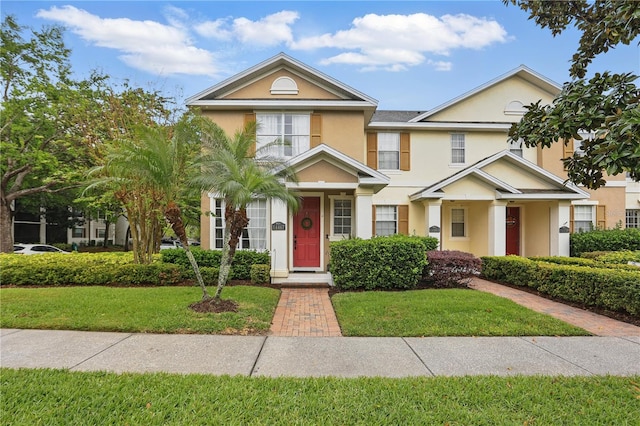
column 444, row 125
column 332, row 199
column 261, row 104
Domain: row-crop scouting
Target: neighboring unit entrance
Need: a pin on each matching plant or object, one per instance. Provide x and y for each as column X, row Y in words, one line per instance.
column 306, row 234
column 513, row 230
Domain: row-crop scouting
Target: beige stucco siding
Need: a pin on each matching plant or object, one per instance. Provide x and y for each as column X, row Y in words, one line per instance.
column 322, row 171
column 535, row 228
column 469, row 188
column 344, row 131
column 489, row 105
column 261, row 89
column 520, row 180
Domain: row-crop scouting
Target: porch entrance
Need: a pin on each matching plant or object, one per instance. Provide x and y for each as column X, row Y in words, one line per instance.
column 306, row 234
column 513, row 231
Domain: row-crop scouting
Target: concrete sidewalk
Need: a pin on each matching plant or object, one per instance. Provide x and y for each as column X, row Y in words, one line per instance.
column 320, row 356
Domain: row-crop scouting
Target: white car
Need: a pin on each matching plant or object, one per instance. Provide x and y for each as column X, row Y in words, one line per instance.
column 36, row 249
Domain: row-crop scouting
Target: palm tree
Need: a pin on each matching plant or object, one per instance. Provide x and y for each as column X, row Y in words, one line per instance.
column 232, row 169
column 152, row 174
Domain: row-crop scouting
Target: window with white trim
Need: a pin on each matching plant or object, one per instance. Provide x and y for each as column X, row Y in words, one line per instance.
column 291, row 132
column 515, row 147
column 632, row 218
column 583, row 218
column 254, row 236
column 458, row 222
column 457, row 148
column 386, row 220
column 77, row 232
column 341, row 217
column 388, row 151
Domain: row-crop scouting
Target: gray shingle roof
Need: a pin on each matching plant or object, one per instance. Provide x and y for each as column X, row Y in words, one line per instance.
column 389, row 116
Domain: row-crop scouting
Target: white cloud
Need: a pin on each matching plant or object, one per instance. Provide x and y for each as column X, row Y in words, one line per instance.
column 394, row 42
column 271, row 30
column 145, row 45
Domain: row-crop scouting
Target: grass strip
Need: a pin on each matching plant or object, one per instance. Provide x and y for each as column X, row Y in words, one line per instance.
column 59, row 397
column 447, row 312
column 135, row 309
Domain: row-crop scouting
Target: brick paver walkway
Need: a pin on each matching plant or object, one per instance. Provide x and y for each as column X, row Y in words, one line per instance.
column 598, row 325
column 305, row 312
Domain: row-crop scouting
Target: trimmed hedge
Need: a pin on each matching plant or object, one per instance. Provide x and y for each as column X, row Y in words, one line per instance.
column 260, row 274
column 389, row 263
column 450, row 268
column 580, row 261
column 85, row 269
column 612, row 257
column 617, row 290
column 240, row 268
column 605, row 240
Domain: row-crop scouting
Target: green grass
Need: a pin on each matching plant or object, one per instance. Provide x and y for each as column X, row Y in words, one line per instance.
column 58, row 397
column 135, row 309
column 450, row 312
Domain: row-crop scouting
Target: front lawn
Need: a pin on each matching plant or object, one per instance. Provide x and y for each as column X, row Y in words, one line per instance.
column 70, row 398
column 448, row 312
column 135, row 309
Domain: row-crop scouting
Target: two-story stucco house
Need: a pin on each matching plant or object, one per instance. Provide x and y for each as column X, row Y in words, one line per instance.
column 448, row 172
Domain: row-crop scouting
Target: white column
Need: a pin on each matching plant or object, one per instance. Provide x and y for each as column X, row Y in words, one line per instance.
column 43, row 226
column 497, row 228
column 433, row 220
column 559, row 244
column 364, row 218
column 279, row 252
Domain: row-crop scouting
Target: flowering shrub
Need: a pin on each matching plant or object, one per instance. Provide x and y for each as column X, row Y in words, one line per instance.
column 450, row 268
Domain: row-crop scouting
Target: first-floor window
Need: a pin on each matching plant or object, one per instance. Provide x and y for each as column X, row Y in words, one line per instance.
column 254, row 236
column 632, row 218
column 458, row 225
column 78, row 232
column 582, row 218
column 100, row 233
column 342, row 217
column 386, row 220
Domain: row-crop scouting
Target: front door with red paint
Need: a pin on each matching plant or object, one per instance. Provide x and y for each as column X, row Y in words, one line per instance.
column 306, row 234
column 513, row 230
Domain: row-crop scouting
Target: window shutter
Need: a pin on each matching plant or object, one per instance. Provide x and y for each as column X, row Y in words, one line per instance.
column 372, row 150
column 601, row 217
column 373, row 220
column 405, row 151
column 316, row 130
column 403, row 220
column 248, row 118
column 568, row 149
column 571, row 213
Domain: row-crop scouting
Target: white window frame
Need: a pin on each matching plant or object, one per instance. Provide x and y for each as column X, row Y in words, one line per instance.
column 218, row 224
column 285, row 150
column 391, row 142
column 465, row 222
column 580, row 215
column 632, row 215
column 333, row 198
column 456, row 138
column 516, row 147
column 378, row 211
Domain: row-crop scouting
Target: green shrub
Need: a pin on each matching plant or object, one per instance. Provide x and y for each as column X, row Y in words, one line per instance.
column 613, row 261
column 260, row 274
column 379, row 263
column 616, row 257
column 614, row 289
column 605, row 240
column 240, row 268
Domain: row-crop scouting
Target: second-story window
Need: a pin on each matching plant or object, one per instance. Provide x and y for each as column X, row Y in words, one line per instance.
column 290, row 131
column 457, row 148
column 388, row 151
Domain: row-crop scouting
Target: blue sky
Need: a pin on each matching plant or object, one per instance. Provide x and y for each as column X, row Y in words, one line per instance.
column 411, row 55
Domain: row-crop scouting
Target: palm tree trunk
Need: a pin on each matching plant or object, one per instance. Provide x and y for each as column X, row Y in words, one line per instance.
column 174, row 217
column 235, row 222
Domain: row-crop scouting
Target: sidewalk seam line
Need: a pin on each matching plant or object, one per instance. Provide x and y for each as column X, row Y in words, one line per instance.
column 418, row 356
column 98, row 353
column 556, row 355
column 253, row 367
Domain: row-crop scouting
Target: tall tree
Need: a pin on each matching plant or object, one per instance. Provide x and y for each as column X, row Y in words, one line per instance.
column 43, row 147
column 606, row 106
column 233, row 169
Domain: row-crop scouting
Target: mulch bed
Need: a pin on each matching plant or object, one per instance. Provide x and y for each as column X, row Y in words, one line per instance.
column 214, row 305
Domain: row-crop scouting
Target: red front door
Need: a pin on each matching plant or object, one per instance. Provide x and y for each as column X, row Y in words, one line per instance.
column 513, row 230
column 306, row 234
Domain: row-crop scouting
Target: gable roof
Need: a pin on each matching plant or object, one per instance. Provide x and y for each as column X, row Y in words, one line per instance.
column 271, row 65
column 562, row 189
column 366, row 175
column 522, row 71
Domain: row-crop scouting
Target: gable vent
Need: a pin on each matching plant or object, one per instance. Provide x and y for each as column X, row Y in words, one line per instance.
column 284, row 86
